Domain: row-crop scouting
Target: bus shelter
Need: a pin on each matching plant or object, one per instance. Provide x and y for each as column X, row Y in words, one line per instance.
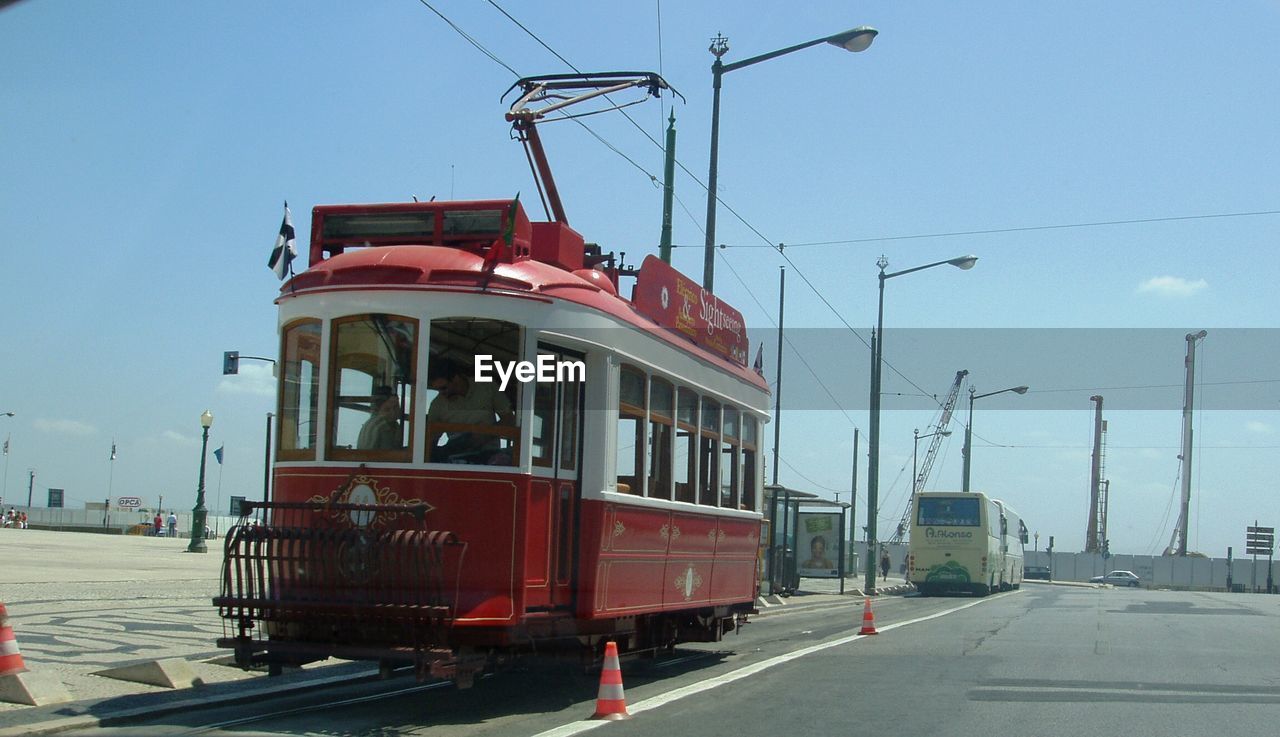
column 805, row 539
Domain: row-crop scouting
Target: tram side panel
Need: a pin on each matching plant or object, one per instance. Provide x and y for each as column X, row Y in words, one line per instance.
column 644, row 560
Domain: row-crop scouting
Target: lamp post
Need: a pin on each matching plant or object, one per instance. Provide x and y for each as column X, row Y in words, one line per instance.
column 199, row 514
column 5, row 492
column 968, row 429
column 877, row 358
column 854, row 39
column 915, row 449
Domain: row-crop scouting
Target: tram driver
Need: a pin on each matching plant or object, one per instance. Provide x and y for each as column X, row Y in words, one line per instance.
column 462, row 401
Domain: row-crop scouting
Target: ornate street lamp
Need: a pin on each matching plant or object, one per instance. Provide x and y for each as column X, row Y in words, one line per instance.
column 199, row 514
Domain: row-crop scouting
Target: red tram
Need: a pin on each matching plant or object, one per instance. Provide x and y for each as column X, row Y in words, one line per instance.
column 611, row 489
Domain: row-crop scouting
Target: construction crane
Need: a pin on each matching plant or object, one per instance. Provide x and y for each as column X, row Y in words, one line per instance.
column 923, row 475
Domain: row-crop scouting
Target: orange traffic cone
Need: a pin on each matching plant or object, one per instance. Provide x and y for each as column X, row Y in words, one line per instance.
column 868, row 619
column 10, row 657
column 611, row 703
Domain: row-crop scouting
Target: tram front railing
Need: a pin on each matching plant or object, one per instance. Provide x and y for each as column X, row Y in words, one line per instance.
column 340, row 573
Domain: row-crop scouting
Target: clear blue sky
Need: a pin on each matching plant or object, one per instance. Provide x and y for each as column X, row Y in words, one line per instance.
column 146, row 148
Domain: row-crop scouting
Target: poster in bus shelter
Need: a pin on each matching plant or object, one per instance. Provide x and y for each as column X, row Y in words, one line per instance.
column 818, row 545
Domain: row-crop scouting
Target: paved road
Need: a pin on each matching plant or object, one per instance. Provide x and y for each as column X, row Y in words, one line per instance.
column 1046, row 660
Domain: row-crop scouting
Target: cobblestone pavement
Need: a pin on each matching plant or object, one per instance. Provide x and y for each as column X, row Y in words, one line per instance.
column 81, row 603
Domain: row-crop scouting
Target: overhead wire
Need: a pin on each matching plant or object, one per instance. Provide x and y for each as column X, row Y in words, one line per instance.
column 997, row 231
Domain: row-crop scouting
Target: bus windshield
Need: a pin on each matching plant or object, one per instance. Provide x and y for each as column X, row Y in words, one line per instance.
column 953, row 512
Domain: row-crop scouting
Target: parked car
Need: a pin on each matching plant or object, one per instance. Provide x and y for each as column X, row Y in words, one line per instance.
column 1118, row 578
column 1036, row 573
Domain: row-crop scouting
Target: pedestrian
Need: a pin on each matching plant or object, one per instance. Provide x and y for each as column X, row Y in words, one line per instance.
column 884, row 563
column 24, row 521
column 173, row 525
column 158, row 523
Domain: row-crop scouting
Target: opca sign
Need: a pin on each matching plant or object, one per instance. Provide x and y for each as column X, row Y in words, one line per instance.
column 129, row 502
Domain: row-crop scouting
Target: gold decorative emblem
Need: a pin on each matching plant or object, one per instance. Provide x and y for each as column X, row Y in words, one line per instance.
column 675, row 532
column 364, row 490
column 665, row 532
column 751, row 537
column 711, row 534
column 719, row 535
column 618, row 528
column 688, row 582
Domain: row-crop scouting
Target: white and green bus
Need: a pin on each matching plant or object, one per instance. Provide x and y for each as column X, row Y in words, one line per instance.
column 964, row 543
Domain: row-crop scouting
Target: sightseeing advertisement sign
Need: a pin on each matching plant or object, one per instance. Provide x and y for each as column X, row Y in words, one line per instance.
column 818, row 545
column 674, row 301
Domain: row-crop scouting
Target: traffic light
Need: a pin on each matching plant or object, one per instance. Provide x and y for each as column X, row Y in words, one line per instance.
column 230, row 362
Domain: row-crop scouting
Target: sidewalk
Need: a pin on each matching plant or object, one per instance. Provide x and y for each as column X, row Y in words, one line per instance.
column 816, row 590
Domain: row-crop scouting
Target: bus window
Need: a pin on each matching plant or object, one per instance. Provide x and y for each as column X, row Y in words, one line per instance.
column 469, row 421
column 709, row 468
column 949, row 512
column 299, row 391
column 730, row 461
column 662, row 415
column 631, row 412
column 686, row 456
column 750, row 430
column 371, row 408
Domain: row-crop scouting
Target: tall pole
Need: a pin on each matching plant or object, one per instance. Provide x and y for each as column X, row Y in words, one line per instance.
column 915, row 451
column 719, row 45
column 968, row 444
column 873, row 463
column 1188, row 400
column 31, row 485
column 1091, row 542
column 853, row 493
column 668, row 189
column 5, row 493
column 199, row 514
column 111, row 473
column 266, row 465
column 777, row 391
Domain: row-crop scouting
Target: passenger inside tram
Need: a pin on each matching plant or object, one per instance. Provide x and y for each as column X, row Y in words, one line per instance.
column 382, row 430
column 465, row 411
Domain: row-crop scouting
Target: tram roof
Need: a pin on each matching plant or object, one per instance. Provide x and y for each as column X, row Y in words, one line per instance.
column 453, row 269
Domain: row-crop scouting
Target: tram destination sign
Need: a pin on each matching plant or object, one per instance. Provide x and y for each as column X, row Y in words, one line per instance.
column 1259, row 540
column 675, row 301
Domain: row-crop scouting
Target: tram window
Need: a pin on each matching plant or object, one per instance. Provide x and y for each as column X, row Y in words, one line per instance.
column 730, row 461
column 661, row 423
column 709, row 466
column 630, row 442
column 544, row 423
column 469, row 421
column 299, row 390
column 372, row 378
column 749, row 450
column 570, row 397
column 686, row 456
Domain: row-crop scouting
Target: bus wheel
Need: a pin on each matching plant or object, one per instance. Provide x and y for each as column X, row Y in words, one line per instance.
column 981, row 590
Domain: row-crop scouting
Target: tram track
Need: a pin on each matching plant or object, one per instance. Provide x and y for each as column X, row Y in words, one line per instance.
column 542, row 680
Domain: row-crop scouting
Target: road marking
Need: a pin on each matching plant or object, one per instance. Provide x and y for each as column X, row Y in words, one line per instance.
column 692, row 689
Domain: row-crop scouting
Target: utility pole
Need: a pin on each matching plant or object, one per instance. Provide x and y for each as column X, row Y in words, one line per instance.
column 31, row 485
column 1091, row 541
column 1178, row 545
column 668, row 189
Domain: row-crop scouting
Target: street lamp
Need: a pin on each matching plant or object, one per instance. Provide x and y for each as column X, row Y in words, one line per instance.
column 199, row 514
column 877, row 357
column 968, row 430
column 915, row 449
column 854, row 39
